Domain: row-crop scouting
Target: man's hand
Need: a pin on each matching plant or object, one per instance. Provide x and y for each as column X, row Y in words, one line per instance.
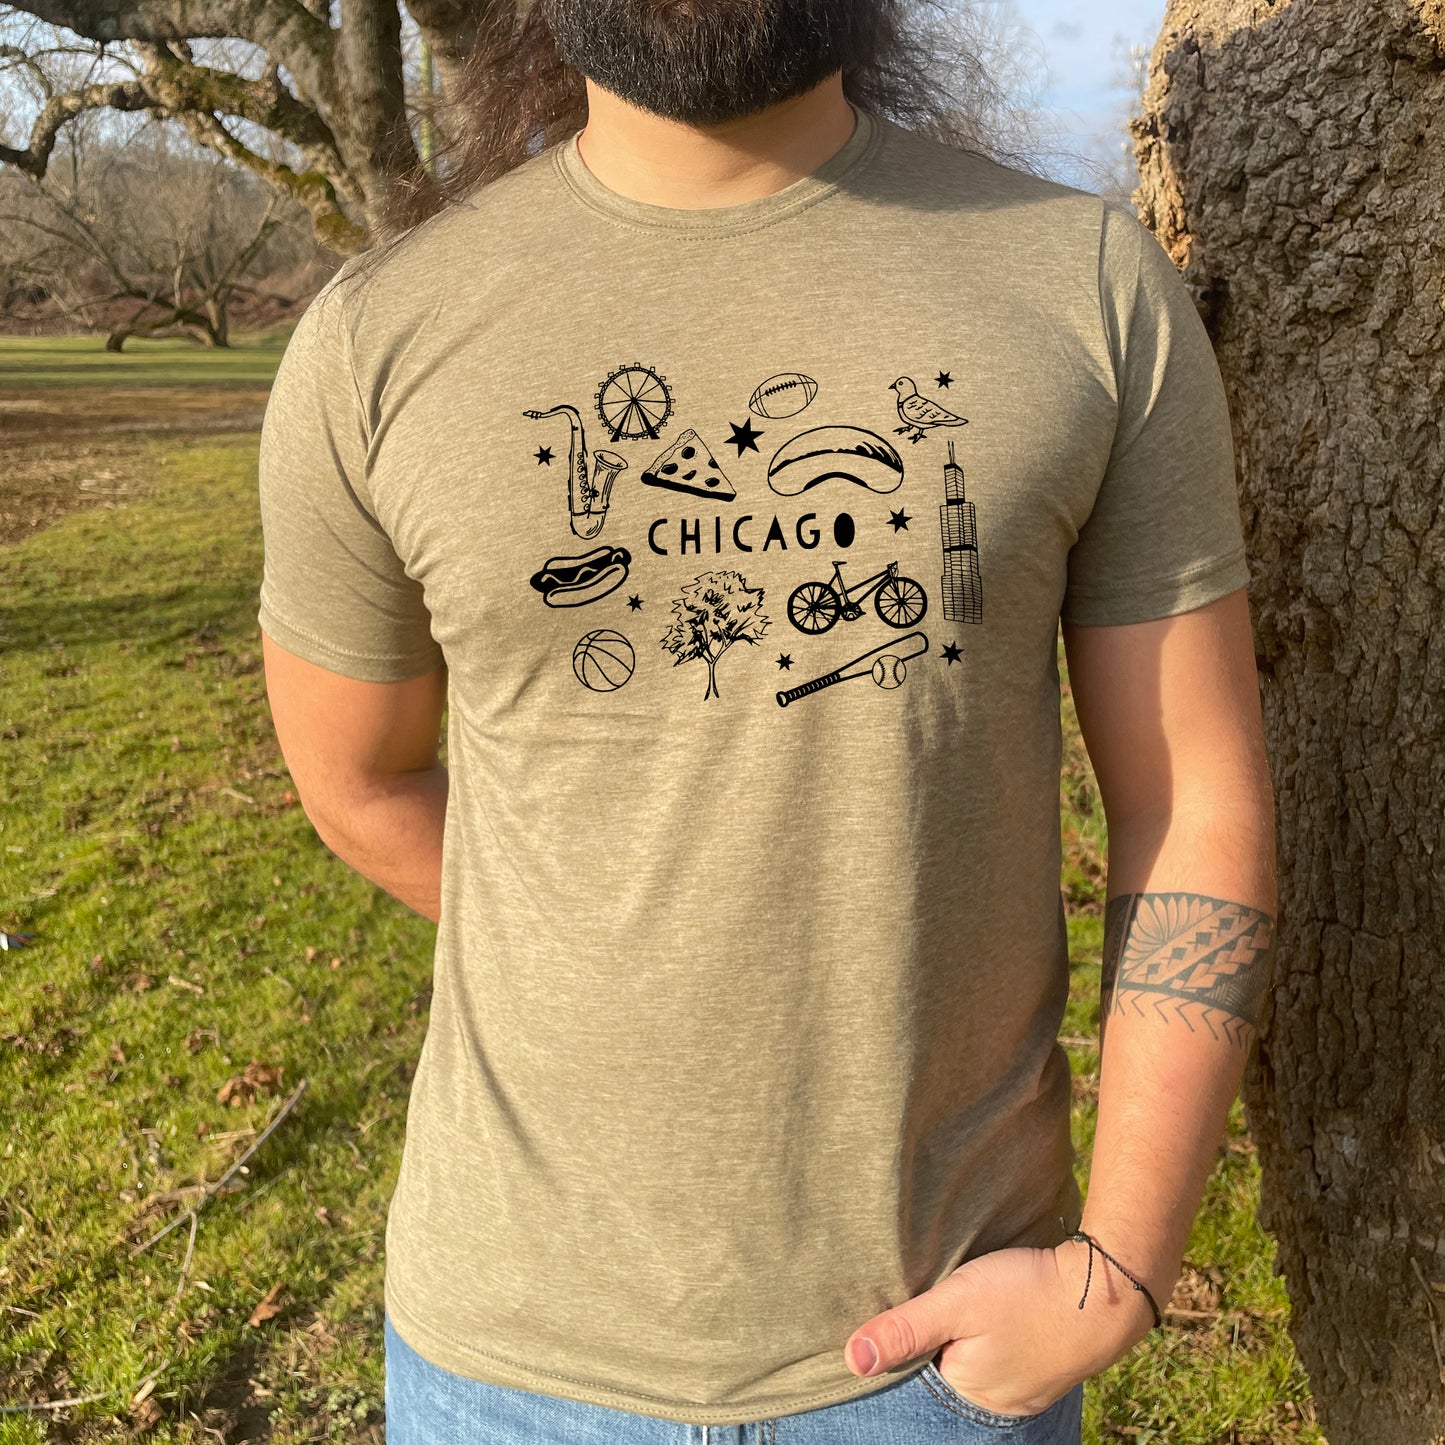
column 1012, row 1334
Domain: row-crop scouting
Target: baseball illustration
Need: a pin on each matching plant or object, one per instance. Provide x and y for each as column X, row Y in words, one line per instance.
column 889, row 671
column 603, row 660
column 783, row 395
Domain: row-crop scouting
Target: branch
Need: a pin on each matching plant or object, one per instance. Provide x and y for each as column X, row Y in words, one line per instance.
column 312, row 189
column 285, row 29
column 181, row 84
column 126, row 95
column 243, row 258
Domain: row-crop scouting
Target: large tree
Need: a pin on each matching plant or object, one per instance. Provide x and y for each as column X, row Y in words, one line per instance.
column 321, row 115
column 1293, row 162
column 146, row 236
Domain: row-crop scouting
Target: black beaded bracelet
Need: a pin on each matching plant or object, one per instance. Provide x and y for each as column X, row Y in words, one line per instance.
column 1137, row 1283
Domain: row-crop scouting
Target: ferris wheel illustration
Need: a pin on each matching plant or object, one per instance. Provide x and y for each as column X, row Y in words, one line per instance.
column 634, row 402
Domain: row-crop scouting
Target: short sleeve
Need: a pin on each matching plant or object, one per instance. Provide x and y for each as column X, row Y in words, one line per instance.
column 333, row 589
column 1164, row 534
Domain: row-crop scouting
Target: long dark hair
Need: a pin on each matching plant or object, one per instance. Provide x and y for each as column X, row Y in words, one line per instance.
column 929, row 70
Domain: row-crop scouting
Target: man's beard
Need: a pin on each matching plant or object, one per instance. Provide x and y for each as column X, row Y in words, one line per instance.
column 704, row 62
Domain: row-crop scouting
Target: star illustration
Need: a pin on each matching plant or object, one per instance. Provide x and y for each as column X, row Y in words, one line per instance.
column 784, row 662
column 952, row 653
column 544, row 456
column 744, row 437
column 635, row 603
column 899, row 520
column 944, row 379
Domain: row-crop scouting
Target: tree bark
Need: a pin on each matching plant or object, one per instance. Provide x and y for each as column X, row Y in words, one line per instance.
column 1293, row 163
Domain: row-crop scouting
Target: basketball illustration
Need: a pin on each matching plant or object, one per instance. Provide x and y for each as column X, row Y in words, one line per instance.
column 889, row 671
column 603, row 660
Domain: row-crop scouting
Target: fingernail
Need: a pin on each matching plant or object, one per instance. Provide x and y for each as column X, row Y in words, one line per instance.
column 865, row 1356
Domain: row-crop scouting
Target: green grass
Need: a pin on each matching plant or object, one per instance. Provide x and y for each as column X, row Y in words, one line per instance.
column 77, row 361
column 189, row 923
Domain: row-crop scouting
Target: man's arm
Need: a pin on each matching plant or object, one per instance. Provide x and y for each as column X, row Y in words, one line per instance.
column 1170, row 714
column 364, row 758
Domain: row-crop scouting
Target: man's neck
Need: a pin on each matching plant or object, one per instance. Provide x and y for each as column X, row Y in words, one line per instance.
column 666, row 163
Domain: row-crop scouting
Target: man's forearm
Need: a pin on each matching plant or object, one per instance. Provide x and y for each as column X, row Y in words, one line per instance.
column 393, row 836
column 1188, row 955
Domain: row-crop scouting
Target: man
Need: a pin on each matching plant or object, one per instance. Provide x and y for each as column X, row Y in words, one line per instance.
column 725, row 468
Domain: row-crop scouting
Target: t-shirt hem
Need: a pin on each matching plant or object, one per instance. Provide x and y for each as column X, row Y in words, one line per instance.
column 1202, row 583
column 447, row 1353
column 363, row 667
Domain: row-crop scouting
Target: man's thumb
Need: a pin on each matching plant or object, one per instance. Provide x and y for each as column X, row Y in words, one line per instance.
column 922, row 1325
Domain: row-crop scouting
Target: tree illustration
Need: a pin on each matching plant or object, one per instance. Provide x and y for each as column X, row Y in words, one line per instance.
column 715, row 610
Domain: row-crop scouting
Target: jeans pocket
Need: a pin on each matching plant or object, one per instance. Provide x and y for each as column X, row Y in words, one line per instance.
column 931, row 1378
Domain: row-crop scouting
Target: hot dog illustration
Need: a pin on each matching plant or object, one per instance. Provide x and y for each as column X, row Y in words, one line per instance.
column 576, row 581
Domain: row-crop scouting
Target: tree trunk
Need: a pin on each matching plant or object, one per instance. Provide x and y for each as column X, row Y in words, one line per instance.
column 1293, row 161
column 218, row 320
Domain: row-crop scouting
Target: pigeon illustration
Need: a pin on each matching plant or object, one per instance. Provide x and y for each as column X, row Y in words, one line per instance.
column 918, row 414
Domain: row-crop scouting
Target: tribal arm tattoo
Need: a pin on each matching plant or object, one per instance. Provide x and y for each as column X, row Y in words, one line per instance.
column 1188, row 956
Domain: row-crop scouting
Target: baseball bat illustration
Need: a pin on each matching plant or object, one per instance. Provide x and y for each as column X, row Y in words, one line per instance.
column 912, row 644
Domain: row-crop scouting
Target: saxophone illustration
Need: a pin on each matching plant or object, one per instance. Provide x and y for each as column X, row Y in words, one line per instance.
column 586, row 495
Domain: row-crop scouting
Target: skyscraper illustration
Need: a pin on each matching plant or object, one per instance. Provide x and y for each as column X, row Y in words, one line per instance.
column 962, row 584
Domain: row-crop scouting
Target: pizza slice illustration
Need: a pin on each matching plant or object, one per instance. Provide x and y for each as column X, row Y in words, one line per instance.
column 688, row 466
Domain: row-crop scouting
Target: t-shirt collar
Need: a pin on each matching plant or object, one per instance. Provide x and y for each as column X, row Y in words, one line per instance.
column 721, row 220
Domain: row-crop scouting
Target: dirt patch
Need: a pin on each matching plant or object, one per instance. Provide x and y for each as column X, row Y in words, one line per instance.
column 40, row 484
column 61, row 451
column 84, row 411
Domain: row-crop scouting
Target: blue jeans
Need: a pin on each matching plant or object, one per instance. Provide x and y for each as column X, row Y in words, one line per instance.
column 426, row 1405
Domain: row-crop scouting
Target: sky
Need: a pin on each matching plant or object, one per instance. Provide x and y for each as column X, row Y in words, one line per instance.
column 1080, row 59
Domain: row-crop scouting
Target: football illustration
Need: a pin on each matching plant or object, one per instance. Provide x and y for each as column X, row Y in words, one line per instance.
column 783, row 395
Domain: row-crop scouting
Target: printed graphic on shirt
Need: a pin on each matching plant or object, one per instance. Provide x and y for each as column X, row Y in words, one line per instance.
column 745, row 532
column 634, row 402
column 715, row 610
column 576, row 581
column 783, row 395
column 851, row 453
column 588, row 486
column 885, row 664
column 603, row 660
column 711, row 612
column 962, row 585
column 919, row 415
column 745, row 436
column 814, row 607
column 688, row 465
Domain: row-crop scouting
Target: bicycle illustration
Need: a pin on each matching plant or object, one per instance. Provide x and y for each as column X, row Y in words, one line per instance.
column 816, row 606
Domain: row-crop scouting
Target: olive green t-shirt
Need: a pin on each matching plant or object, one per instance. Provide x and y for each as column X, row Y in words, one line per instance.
column 743, row 534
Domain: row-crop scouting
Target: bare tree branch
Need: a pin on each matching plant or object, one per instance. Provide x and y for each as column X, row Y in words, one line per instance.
column 119, row 95
column 312, row 189
column 288, row 32
column 177, row 84
column 332, row 101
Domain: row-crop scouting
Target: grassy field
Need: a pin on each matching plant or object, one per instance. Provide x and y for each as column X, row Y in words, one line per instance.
column 78, row 362
column 199, row 954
